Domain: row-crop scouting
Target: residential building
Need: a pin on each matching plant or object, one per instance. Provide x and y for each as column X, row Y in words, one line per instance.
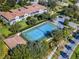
column 13, row 16
column 15, row 40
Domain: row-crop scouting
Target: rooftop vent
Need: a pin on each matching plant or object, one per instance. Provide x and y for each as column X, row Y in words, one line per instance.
column 10, row 11
column 33, row 6
column 25, row 7
column 19, row 9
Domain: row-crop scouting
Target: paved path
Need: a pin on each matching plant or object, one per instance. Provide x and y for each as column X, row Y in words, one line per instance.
column 52, row 53
column 69, row 52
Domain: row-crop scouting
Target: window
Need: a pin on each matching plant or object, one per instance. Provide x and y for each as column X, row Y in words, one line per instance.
column 35, row 12
column 21, row 16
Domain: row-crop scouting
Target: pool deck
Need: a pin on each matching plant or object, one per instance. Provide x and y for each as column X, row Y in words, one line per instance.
column 52, row 53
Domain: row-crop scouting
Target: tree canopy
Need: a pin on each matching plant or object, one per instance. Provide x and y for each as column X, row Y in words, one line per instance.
column 35, row 50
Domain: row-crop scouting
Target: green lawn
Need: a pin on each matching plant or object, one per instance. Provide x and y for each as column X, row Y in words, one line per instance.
column 4, row 30
column 74, row 55
column 3, row 49
column 22, row 24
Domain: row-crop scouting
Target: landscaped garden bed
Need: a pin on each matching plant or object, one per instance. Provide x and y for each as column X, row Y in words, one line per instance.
column 3, row 49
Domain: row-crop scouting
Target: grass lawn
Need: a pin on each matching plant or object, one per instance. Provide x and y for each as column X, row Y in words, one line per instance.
column 3, row 49
column 4, row 30
column 77, row 51
column 22, row 24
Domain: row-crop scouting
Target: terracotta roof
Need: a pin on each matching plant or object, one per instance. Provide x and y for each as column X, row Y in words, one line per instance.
column 14, row 41
column 10, row 15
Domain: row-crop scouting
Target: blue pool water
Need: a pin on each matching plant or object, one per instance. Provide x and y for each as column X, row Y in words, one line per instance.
column 47, row 27
column 38, row 33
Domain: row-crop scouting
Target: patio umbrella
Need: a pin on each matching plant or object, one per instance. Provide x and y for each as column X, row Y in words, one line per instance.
column 68, row 47
column 63, row 54
column 77, row 36
column 61, row 22
column 71, row 41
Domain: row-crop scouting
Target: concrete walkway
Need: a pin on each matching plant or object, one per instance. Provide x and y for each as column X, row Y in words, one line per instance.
column 52, row 53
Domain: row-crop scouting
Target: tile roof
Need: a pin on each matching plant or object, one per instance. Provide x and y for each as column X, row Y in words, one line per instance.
column 14, row 41
column 10, row 15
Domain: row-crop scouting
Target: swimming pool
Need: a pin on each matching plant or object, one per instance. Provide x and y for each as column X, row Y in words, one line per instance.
column 38, row 33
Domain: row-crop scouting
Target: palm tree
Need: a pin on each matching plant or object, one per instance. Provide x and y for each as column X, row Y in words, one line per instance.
column 15, row 28
column 57, row 37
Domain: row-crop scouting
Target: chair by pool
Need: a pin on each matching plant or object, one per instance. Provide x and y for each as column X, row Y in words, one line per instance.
column 68, row 47
column 64, row 55
column 38, row 33
column 71, row 41
column 77, row 36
